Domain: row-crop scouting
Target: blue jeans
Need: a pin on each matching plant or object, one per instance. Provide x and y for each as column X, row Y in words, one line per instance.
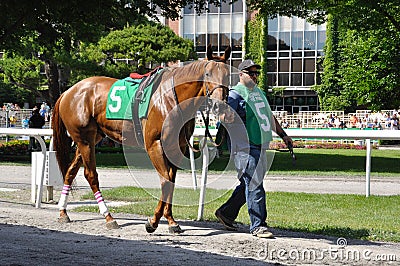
column 251, row 172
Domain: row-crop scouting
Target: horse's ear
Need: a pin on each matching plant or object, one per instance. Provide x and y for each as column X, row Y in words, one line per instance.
column 227, row 53
column 209, row 52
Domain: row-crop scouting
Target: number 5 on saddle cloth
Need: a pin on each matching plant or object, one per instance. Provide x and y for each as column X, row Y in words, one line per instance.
column 129, row 98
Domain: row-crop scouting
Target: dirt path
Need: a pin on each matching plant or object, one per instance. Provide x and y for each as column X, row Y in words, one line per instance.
column 33, row 236
column 30, row 236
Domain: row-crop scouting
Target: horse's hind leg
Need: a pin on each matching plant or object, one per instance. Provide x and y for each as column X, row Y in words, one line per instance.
column 69, row 178
column 89, row 161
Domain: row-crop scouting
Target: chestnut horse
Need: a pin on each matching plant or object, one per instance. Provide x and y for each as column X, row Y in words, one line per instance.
column 80, row 116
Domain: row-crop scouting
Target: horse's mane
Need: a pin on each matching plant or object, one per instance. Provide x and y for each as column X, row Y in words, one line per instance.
column 186, row 70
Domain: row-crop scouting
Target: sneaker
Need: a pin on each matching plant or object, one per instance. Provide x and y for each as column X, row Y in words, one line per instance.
column 262, row 232
column 228, row 224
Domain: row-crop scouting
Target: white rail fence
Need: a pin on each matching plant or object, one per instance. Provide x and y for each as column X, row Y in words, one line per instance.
column 37, row 133
column 366, row 135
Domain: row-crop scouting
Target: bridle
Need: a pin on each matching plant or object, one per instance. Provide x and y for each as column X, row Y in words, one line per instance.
column 206, row 118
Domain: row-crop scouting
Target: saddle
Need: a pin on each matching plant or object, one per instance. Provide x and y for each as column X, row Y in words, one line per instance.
column 152, row 78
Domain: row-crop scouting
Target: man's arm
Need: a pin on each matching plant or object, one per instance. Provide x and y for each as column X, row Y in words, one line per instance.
column 281, row 133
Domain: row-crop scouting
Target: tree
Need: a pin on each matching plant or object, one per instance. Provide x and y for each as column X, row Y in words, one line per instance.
column 147, row 43
column 144, row 43
column 370, row 71
column 362, row 50
column 58, row 28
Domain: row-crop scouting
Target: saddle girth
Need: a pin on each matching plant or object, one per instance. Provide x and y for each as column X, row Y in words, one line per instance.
column 155, row 78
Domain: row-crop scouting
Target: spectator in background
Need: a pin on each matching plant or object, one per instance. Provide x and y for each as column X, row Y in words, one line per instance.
column 331, row 121
column 368, row 119
column 394, row 122
column 386, row 118
column 353, row 121
column 298, row 123
column 324, row 123
column 285, row 124
column 376, row 124
column 25, row 122
column 13, row 121
column 342, row 125
column 337, row 122
column 35, row 121
column 45, row 111
column 363, row 123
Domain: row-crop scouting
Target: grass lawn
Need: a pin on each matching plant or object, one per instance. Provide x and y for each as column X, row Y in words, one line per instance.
column 349, row 216
column 325, row 162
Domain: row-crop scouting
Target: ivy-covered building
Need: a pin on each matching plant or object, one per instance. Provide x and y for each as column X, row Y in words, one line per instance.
column 289, row 49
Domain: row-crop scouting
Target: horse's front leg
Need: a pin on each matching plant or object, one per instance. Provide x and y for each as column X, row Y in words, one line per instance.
column 167, row 188
column 167, row 178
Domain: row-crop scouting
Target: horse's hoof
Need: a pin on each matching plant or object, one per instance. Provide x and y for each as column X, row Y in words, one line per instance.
column 112, row 225
column 149, row 227
column 175, row 229
column 64, row 219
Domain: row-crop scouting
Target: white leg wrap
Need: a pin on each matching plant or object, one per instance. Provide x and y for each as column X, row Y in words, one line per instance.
column 100, row 201
column 62, row 204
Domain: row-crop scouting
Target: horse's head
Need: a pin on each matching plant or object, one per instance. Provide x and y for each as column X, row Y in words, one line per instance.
column 216, row 79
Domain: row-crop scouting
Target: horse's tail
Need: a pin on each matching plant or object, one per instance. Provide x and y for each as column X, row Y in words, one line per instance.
column 61, row 141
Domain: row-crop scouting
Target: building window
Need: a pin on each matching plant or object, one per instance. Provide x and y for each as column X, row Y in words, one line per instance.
column 293, row 50
column 224, row 41
column 283, row 65
column 213, row 8
column 271, row 65
column 296, row 79
column 321, row 39
column 309, row 79
column 272, row 41
column 222, row 26
column 284, row 41
column 188, row 9
column 309, row 65
column 237, row 41
column 237, row 6
column 271, row 79
column 225, row 7
column 201, row 42
column 297, row 40
column 213, row 39
column 296, row 65
column 283, row 79
column 309, row 40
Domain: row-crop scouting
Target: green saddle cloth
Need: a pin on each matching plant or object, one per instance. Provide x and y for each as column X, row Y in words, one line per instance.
column 121, row 96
